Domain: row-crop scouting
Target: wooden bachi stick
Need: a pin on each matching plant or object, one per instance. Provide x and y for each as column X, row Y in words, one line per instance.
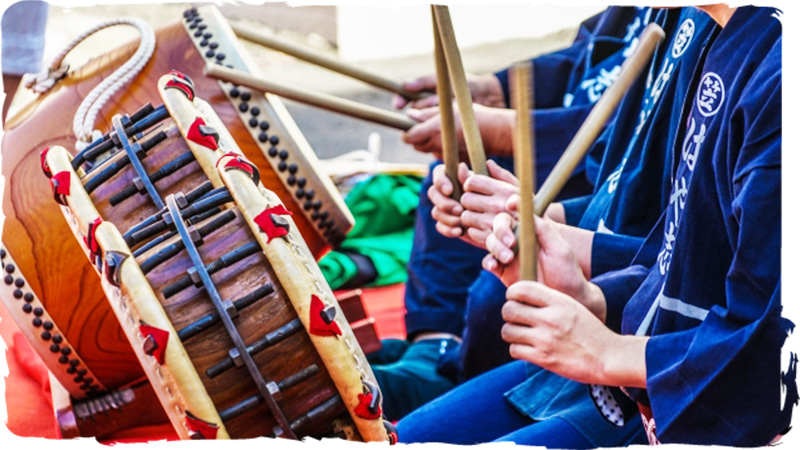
column 455, row 67
column 322, row 60
column 586, row 135
column 324, row 101
column 448, row 120
column 525, row 167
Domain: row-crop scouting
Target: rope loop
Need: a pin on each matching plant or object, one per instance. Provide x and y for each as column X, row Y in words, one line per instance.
column 87, row 112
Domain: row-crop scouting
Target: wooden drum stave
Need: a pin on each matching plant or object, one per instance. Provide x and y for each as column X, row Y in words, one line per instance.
column 276, row 357
column 60, row 300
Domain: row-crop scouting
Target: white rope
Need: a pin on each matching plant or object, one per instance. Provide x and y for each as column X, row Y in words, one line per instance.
column 83, row 123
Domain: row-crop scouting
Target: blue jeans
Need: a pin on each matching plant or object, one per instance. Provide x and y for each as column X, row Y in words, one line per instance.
column 477, row 412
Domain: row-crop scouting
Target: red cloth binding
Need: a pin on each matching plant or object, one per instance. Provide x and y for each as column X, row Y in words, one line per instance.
column 238, row 163
column 264, row 221
column 161, row 337
column 181, row 75
column 229, row 154
column 196, row 136
column 362, row 409
column 59, row 183
column 316, row 324
column 207, row 430
column 90, row 240
column 45, row 167
column 173, row 83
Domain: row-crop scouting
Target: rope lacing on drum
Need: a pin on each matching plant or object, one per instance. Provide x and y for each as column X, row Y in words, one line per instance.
column 83, row 124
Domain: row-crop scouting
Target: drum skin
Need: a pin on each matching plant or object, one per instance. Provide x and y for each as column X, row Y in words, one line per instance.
column 35, row 232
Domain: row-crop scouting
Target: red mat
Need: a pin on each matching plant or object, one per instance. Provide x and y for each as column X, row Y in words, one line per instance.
column 27, row 386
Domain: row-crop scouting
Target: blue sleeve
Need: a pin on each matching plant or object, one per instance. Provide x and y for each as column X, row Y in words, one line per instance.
column 555, row 128
column 618, row 287
column 551, row 74
column 613, row 251
column 696, row 378
column 574, row 209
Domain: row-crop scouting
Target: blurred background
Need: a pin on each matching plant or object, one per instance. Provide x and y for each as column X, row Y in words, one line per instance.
column 390, row 40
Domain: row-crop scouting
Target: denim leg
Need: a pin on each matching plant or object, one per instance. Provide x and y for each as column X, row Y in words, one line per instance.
column 551, row 433
column 482, row 348
column 472, row 413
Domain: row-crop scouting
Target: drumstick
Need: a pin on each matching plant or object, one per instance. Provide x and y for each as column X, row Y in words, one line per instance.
column 318, row 99
column 455, row 67
column 448, row 120
column 323, row 60
column 580, row 144
column 524, row 162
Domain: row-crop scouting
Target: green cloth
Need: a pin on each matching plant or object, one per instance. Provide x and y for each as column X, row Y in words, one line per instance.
column 384, row 207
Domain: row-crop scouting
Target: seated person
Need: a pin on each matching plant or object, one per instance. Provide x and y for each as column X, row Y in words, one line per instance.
column 701, row 326
column 647, row 124
column 569, row 82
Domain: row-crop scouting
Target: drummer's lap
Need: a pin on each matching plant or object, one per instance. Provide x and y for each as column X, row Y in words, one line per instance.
column 472, row 413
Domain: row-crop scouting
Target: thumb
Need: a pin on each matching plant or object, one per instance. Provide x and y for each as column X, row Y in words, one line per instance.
column 502, row 229
column 399, row 102
column 499, row 173
column 512, row 204
column 422, row 115
column 549, row 237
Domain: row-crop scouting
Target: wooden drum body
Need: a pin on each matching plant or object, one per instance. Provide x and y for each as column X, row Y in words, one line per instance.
column 49, row 288
column 215, row 288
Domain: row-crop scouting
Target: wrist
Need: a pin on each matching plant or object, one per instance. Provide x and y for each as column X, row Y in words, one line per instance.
column 556, row 213
column 624, row 361
column 501, row 132
column 594, row 300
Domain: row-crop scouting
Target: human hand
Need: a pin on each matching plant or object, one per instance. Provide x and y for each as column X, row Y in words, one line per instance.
column 557, row 266
column 484, row 197
column 552, row 330
column 501, row 260
column 579, row 240
column 485, row 90
column 446, row 211
column 556, row 213
column 495, row 125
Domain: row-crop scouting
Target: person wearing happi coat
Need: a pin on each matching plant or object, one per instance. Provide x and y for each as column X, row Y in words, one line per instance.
column 442, row 268
column 693, row 339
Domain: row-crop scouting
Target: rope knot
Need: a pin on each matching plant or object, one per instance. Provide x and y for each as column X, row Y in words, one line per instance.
column 45, row 80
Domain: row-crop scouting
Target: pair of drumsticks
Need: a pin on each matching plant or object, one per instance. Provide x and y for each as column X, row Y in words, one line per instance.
column 451, row 77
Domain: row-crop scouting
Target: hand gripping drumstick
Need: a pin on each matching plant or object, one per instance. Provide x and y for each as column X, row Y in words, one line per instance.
column 444, row 90
column 320, row 100
column 472, row 135
column 323, row 60
column 577, row 148
column 524, row 166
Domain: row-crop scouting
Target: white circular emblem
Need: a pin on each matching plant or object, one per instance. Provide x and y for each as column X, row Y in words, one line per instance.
column 683, row 38
column 710, row 94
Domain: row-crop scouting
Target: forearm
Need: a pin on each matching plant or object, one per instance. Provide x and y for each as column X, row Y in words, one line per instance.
column 624, row 362
column 497, row 130
column 622, row 358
